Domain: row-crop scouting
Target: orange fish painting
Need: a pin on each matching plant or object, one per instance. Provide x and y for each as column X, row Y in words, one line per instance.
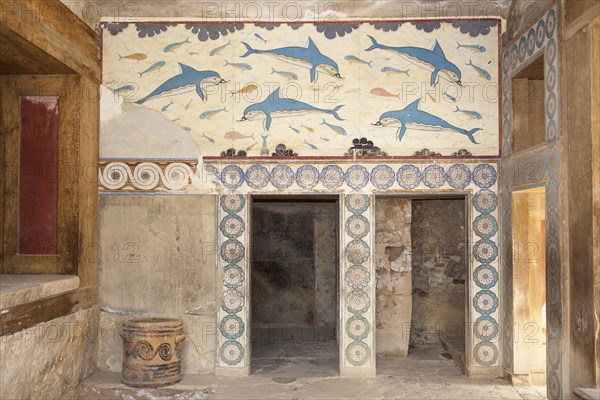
column 246, row 89
column 382, row 92
column 134, row 56
column 235, row 135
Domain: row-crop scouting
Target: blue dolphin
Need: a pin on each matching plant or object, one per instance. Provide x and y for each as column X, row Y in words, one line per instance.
column 188, row 80
column 308, row 57
column 435, row 59
column 411, row 115
column 274, row 107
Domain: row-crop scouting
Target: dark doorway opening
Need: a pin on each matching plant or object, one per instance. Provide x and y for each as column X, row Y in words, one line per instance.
column 294, row 286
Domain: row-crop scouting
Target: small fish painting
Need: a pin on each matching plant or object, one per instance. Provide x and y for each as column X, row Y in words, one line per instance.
column 473, row 47
column 208, row 138
column 325, row 139
column 285, row 74
column 235, row 135
column 175, row 46
column 337, row 129
column 308, row 128
column 471, row 114
column 356, row 60
column 242, row 66
column 134, row 56
column 251, row 146
column 482, row 72
column 211, row 113
column 312, row 146
column 154, row 67
column 188, row 104
column 166, row 106
column 187, row 128
column 383, row 93
column 217, row 50
column 256, row 35
column 246, row 89
column 450, row 97
column 264, row 150
column 391, row 70
column 294, row 129
column 123, row 89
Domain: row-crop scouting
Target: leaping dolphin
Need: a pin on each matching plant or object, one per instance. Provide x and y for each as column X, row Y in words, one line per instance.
column 411, row 115
column 435, row 59
column 308, row 57
column 276, row 107
column 188, row 80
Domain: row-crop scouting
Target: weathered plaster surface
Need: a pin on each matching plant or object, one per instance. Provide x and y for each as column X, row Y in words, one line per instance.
column 49, row 360
column 439, row 271
column 394, row 275
column 158, row 259
column 20, row 289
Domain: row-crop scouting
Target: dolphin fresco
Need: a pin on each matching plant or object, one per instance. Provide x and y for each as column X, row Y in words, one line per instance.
column 308, row 57
column 417, row 119
column 189, row 79
column 275, row 107
column 435, row 59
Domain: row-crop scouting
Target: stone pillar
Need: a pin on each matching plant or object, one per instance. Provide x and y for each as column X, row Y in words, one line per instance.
column 233, row 316
column 357, row 286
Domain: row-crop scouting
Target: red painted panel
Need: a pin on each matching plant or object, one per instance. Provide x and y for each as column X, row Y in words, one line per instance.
column 38, row 175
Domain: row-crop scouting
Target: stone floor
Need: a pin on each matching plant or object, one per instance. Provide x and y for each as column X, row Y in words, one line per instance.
column 425, row 374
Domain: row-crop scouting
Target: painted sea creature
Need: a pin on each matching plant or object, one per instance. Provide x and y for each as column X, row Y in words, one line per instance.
column 382, row 92
column 251, row 146
column 325, row 139
column 337, row 129
column 308, row 128
column 354, row 59
column 208, row 138
column 256, row 35
column 134, row 56
column 432, row 98
column 450, row 97
column 235, row 135
column 154, row 67
column 328, row 86
column 189, row 79
column 285, row 74
column 308, row 57
column 312, row 146
column 176, row 119
column 432, row 59
column 264, row 151
column 211, row 113
column 217, row 50
column 188, row 104
column 242, row 66
column 472, row 114
column 193, row 53
column 166, row 106
column 175, row 46
column 420, row 120
column 246, row 89
column 123, row 89
column 482, row 72
column 294, row 129
column 274, row 106
column 473, row 47
column 187, row 128
column 391, row 70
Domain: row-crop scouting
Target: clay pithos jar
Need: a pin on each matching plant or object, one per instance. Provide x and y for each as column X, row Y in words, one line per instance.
column 152, row 352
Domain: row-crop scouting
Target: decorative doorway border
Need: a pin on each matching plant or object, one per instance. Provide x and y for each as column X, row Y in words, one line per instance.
column 357, row 184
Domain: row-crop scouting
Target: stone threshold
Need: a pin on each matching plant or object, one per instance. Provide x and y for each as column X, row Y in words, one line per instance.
column 102, row 385
column 21, row 289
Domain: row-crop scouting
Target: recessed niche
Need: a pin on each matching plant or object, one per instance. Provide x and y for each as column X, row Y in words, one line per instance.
column 528, row 106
